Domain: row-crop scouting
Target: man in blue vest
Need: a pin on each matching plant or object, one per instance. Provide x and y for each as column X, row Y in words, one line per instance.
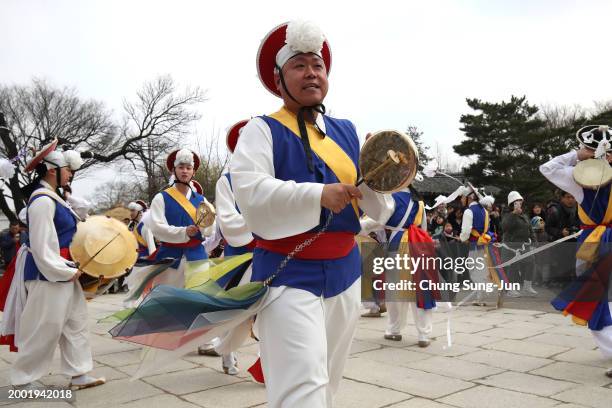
column 172, row 219
column 144, row 237
column 588, row 300
column 290, row 172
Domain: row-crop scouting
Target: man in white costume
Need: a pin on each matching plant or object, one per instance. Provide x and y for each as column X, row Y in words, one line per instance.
column 594, row 243
column 172, row 219
column 290, row 171
column 409, row 217
column 476, row 233
column 55, row 311
column 234, row 230
column 144, row 236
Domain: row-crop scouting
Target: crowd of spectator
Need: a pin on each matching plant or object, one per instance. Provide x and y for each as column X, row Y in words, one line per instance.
column 520, row 226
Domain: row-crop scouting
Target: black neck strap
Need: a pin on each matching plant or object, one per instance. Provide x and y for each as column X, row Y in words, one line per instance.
column 304, row 110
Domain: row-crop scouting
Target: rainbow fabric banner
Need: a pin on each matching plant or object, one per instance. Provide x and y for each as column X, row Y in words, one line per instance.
column 174, row 321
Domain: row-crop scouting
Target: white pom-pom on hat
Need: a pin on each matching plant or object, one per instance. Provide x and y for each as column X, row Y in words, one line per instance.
column 302, row 37
column 184, row 156
column 7, row 169
column 73, row 159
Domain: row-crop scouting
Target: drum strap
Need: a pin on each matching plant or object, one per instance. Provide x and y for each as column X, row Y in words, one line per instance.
column 334, row 157
column 183, row 202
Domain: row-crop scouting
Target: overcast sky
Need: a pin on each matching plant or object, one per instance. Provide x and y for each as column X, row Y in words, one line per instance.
column 394, row 63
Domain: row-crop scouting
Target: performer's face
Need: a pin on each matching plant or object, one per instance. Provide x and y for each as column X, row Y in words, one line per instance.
column 184, row 173
column 306, row 79
column 133, row 214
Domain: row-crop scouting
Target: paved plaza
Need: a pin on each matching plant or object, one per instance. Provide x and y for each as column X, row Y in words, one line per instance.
column 499, row 358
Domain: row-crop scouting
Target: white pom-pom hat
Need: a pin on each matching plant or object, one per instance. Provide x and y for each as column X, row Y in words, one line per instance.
column 55, row 159
column 286, row 41
column 182, row 156
column 233, row 133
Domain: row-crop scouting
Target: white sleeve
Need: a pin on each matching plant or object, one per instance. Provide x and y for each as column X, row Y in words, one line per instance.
column 466, row 225
column 231, row 222
column 379, row 207
column 158, row 225
column 559, row 171
column 44, row 244
column 369, row 225
column 212, row 240
column 272, row 208
column 148, row 237
column 80, row 206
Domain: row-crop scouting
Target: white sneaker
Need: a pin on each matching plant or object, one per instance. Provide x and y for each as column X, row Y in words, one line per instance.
column 513, row 293
column 86, row 381
column 230, row 364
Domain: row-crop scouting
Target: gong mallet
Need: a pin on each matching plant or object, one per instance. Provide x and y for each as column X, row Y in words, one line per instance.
column 393, row 158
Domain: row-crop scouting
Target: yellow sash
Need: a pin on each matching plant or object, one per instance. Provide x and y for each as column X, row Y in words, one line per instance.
column 182, row 201
column 483, row 238
column 419, row 216
column 139, row 237
column 590, row 247
column 327, row 150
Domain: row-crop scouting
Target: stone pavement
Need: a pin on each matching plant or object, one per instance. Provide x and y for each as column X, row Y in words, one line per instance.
column 499, row 358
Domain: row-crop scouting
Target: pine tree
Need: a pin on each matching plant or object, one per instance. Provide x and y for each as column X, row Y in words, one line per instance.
column 507, row 139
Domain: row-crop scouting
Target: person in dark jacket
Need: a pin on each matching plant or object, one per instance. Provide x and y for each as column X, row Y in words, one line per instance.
column 518, row 235
column 9, row 240
column 562, row 221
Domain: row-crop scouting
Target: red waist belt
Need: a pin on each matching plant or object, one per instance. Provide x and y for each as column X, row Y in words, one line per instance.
column 329, row 245
column 65, row 253
column 583, row 227
column 192, row 243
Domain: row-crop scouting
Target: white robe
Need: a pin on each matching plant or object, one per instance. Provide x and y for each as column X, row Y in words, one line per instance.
column 304, row 338
column 477, row 274
column 55, row 311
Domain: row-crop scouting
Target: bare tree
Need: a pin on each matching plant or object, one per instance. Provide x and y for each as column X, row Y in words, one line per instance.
column 561, row 116
column 215, row 160
column 114, row 193
column 151, row 126
column 416, row 136
column 36, row 114
column 156, row 122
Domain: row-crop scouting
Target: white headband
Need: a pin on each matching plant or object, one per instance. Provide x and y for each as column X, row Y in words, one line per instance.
column 69, row 158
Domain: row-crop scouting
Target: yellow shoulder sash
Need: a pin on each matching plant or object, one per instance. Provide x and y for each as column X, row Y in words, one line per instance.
column 182, row 201
column 590, row 247
column 334, row 157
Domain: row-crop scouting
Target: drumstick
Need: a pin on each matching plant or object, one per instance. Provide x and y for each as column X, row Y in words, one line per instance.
column 393, row 157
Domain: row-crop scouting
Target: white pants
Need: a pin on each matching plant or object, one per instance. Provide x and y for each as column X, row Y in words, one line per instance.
column 398, row 313
column 478, row 274
column 603, row 338
column 171, row 276
column 304, row 342
column 55, row 313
